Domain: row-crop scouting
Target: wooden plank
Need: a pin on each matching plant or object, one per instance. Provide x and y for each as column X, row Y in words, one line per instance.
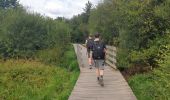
column 111, row 64
column 110, row 59
column 110, row 56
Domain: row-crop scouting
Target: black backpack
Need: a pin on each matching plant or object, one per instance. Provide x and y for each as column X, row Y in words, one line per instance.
column 98, row 50
column 90, row 44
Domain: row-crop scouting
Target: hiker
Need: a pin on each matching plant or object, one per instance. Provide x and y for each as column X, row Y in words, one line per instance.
column 98, row 56
column 89, row 46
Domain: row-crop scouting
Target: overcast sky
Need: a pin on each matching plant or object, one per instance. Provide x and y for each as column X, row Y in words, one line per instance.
column 56, row 8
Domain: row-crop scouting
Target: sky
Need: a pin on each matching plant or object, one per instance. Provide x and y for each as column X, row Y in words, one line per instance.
column 56, row 8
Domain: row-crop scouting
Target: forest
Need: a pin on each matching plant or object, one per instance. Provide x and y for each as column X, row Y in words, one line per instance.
column 139, row 29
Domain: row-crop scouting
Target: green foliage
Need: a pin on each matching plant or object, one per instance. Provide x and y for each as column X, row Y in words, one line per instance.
column 153, row 55
column 32, row 36
column 41, row 78
column 87, row 11
column 22, row 34
column 63, row 57
column 139, row 28
column 101, row 20
column 122, row 59
column 46, row 44
column 69, row 60
column 51, row 55
column 79, row 25
column 154, row 85
column 143, row 35
column 25, row 80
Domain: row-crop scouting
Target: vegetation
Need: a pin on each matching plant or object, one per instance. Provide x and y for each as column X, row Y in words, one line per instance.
column 25, row 80
column 140, row 29
column 22, row 34
column 37, row 60
column 79, row 25
column 154, row 85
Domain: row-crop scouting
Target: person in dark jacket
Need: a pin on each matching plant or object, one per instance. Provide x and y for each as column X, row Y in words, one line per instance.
column 98, row 55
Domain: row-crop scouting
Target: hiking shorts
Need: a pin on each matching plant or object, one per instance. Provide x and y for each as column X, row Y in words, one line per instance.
column 99, row 64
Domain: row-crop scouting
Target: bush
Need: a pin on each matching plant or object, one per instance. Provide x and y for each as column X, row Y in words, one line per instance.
column 144, row 38
column 62, row 57
column 22, row 33
column 154, row 85
column 51, row 56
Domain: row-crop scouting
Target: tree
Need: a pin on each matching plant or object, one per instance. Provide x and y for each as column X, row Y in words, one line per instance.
column 79, row 24
column 22, row 33
column 8, row 4
column 87, row 11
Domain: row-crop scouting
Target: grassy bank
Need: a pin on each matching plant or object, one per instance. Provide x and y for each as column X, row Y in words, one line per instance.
column 36, row 80
column 154, row 85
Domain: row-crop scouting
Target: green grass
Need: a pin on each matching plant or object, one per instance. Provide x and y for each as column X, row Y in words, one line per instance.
column 56, row 56
column 34, row 80
column 154, row 85
column 68, row 60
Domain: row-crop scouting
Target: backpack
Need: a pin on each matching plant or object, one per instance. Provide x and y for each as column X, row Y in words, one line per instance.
column 98, row 50
column 89, row 44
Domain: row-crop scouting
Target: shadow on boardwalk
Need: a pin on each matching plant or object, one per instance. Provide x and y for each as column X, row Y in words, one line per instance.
column 87, row 87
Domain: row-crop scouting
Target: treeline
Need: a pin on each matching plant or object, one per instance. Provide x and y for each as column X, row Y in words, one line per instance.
column 23, row 34
column 139, row 28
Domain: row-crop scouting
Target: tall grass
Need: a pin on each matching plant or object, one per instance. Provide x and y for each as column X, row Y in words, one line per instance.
column 62, row 57
column 36, row 80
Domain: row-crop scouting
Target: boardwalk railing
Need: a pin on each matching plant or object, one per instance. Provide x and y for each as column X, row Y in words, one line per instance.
column 111, row 56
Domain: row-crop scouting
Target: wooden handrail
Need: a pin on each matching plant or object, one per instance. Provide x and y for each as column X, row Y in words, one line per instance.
column 111, row 56
column 79, row 55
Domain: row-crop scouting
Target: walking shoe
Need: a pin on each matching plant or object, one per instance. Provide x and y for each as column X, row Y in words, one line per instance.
column 90, row 67
column 98, row 80
column 101, row 81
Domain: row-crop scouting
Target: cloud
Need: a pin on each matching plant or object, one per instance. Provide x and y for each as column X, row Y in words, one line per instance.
column 56, row 8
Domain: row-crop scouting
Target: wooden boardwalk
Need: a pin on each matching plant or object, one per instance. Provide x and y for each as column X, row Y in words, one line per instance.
column 87, row 87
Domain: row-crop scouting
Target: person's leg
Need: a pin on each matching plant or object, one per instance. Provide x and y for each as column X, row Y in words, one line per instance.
column 90, row 61
column 101, row 72
column 97, row 69
column 98, row 73
column 89, row 58
column 90, row 65
column 101, row 64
